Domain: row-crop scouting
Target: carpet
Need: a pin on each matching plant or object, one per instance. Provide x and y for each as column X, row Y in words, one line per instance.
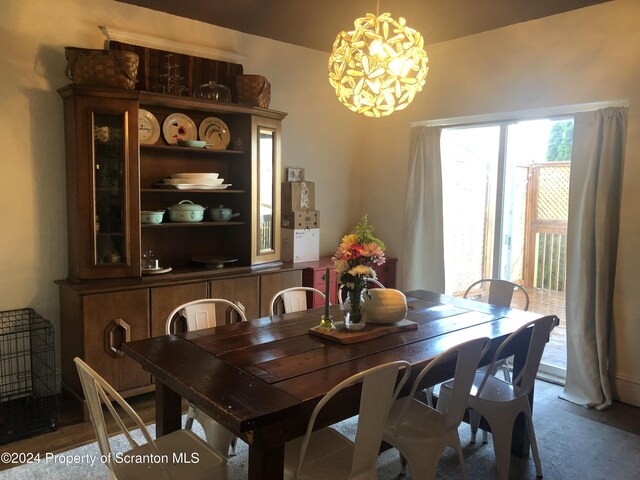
column 571, row 446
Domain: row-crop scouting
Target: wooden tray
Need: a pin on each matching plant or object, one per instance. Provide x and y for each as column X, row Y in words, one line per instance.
column 369, row 332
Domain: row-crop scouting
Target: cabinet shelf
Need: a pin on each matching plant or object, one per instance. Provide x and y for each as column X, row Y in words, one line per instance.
column 189, row 224
column 189, row 190
column 189, row 150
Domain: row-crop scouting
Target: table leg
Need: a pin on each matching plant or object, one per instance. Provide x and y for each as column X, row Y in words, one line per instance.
column 168, row 410
column 266, row 464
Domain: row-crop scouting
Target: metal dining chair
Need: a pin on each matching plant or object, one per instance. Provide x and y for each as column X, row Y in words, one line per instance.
column 200, row 314
column 500, row 402
column 179, row 444
column 420, row 432
column 501, row 293
column 292, row 299
column 326, row 453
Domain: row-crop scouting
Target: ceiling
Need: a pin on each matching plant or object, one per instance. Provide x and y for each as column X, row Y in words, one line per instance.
column 315, row 23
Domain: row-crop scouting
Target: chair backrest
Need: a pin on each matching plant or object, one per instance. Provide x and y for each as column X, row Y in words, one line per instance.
column 467, row 356
column 200, row 314
column 97, row 390
column 343, row 298
column 500, row 292
column 379, row 390
column 539, row 330
column 292, row 299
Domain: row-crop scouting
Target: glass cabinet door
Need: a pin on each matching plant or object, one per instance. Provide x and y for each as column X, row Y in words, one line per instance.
column 267, row 191
column 109, row 156
column 103, row 200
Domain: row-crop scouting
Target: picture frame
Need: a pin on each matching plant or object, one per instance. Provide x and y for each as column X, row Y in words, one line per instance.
column 295, row 174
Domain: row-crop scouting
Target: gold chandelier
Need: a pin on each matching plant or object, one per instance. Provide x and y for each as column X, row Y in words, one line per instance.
column 379, row 67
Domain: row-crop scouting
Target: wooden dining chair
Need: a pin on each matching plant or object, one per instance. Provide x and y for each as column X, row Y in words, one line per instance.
column 500, row 402
column 199, row 314
column 179, row 444
column 326, row 453
column 420, row 432
column 293, row 299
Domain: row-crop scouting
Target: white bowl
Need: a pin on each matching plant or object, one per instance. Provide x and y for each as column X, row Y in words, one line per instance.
column 194, row 175
column 214, row 182
column 151, row 216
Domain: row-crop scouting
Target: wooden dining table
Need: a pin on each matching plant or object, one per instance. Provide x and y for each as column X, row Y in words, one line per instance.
column 261, row 379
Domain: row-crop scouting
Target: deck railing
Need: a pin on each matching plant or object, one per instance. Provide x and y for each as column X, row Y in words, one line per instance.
column 546, row 238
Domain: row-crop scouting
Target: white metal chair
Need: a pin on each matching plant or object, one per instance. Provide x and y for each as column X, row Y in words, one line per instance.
column 341, row 296
column 179, row 444
column 200, row 314
column 420, row 432
column 499, row 292
column 500, row 402
column 293, row 299
column 325, row 453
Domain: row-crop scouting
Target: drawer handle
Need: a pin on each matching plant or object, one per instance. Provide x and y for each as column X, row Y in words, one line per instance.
column 116, row 333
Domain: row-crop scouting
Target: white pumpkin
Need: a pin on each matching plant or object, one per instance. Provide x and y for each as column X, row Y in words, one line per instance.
column 386, row 305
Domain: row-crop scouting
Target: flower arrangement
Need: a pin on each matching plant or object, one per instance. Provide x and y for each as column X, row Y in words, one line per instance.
column 354, row 262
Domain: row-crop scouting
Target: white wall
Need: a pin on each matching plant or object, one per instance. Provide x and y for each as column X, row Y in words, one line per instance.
column 318, row 134
column 579, row 57
column 589, row 55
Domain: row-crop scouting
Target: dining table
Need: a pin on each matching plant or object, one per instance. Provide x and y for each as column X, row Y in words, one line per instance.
column 262, row 378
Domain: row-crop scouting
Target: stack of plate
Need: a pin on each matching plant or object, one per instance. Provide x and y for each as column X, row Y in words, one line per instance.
column 200, row 181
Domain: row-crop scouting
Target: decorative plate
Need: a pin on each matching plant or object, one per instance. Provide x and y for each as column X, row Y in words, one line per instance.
column 148, row 127
column 215, row 132
column 215, row 262
column 155, row 271
column 179, row 126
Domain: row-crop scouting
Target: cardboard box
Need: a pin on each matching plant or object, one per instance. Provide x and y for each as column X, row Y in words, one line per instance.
column 301, row 219
column 298, row 196
column 300, row 244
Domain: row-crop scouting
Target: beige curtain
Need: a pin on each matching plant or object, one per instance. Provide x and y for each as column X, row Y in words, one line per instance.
column 423, row 258
column 592, row 240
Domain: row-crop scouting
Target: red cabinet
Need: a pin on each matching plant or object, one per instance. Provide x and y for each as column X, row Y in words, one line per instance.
column 313, row 276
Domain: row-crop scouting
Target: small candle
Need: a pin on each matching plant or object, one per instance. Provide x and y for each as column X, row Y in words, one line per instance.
column 326, row 294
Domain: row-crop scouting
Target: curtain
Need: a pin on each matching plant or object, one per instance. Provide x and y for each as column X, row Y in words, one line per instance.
column 423, row 258
column 592, row 239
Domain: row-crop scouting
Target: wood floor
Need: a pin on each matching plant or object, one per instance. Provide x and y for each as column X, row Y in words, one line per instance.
column 72, row 431
column 550, row 302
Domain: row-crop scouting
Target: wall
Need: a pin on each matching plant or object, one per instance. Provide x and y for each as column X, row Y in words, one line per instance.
column 585, row 56
column 578, row 57
column 318, row 134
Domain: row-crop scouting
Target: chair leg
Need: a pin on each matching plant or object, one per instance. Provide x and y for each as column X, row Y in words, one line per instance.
column 534, row 445
column 458, row 449
column 233, row 447
column 474, row 422
column 191, row 415
column 502, row 448
column 403, row 465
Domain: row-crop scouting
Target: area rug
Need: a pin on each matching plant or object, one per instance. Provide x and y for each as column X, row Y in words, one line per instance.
column 571, row 448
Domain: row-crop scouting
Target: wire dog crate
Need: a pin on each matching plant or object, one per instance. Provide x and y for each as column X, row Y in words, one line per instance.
column 28, row 404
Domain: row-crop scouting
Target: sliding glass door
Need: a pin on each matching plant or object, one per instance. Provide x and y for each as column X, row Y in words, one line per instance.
column 505, row 195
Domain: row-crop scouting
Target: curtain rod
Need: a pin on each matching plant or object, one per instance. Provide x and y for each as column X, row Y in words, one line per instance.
column 502, row 117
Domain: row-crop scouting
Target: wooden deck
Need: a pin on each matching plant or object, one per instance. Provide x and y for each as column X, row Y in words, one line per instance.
column 550, row 302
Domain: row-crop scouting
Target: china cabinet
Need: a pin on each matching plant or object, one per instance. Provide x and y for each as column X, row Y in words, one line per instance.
column 120, row 146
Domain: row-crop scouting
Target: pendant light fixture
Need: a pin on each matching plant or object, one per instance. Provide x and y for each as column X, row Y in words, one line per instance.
column 379, row 67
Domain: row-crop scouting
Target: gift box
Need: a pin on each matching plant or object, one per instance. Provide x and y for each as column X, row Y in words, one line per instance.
column 300, row 244
column 298, row 196
column 301, row 219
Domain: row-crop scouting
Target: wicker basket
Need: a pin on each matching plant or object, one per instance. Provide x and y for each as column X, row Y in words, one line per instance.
column 254, row 90
column 102, row 68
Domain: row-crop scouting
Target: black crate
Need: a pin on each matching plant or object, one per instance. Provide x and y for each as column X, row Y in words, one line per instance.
column 28, row 404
